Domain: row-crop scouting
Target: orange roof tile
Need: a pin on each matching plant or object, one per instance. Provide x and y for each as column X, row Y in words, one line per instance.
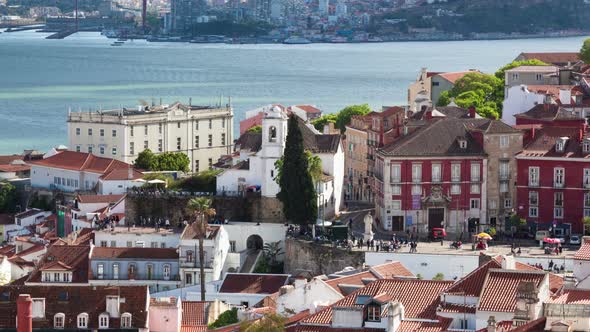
column 472, row 284
column 500, row 288
column 454, row 76
column 584, row 252
column 253, row 283
column 353, row 279
column 390, row 270
column 194, row 315
column 81, row 161
column 572, row 296
column 70, row 255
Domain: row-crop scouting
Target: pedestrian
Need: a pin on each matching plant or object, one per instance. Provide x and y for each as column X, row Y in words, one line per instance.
column 551, row 264
column 560, row 249
column 441, row 241
column 167, row 223
column 377, row 247
column 415, row 246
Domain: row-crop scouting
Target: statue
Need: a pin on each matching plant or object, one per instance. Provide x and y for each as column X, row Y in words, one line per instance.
column 368, row 233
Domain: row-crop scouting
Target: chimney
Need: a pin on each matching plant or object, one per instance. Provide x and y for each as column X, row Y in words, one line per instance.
column 472, row 112
column 24, row 313
column 508, row 262
column 565, row 96
column 491, row 324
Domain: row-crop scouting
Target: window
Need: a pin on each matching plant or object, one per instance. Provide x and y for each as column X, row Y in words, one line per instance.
column 533, row 176
column 103, row 244
column 586, row 177
column 533, row 198
column 196, row 141
column 396, row 189
column 416, row 173
column 232, row 246
column 196, row 125
column 210, row 162
column 455, row 172
column 504, row 187
column 56, row 277
column 163, row 245
column 210, row 142
column 46, row 275
column 504, row 141
column 114, row 151
column 196, row 165
column 38, row 308
column 395, row 173
column 474, row 188
column 89, row 131
column 539, row 77
column 159, row 128
column 188, row 278
column 129, row 244
column 416, row 189
column 89, row 148
column 436, row 173
column 66, row 277
column 455, row 189
column 587, row 200
column 533, row 212
column 475, row 172
column 131, row 270
column 558, row 212
column 272, row 134
column 101, row 132
column 145, row 130
column 189, row 256
column 131, row 131
column 146, row 145
column 504, row 170
column 101, row 150
column 464, row 324
column 210, row 123
column 514, row 76
column 126, row 320
column 222, row 138
column 131, row 148
column 77, row 131
column 103, row 320
column 78, row 148
column 558, row 177
column 178, row 143
column 58, row 320
column 178, row 125
column 166, row 271
column 114, row 132
column 100, row 271
column 474, row 203
column 374, row 313
column 508, row 203
column 462, row 144
column 150, row 271
column 159, row 145
column 82, row 320
column 558, row 199
column 396, row 205
column 115, row 271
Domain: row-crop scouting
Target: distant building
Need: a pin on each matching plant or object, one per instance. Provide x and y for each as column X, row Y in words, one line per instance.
column 324, row 7
column 531, row 75
column 559, row 59
column 184, row 14
column 203, row 133
column 216, row 246
column 445, row 81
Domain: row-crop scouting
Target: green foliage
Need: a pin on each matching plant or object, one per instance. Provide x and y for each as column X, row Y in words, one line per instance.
column 273, row 250
column 255, row 129
column 297, row 190
column 228, row 317
column 439, row 276
column 485, row 92
column 323, row 120
column 343, row 117
column 205, row 181
column 8, row 197
column 419, row 276
column 532, row 62
column 40, row 202
column 268, row 323
column 167, row 161
column 444, row 99
column 585, row 51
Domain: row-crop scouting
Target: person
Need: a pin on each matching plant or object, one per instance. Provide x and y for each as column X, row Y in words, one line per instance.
column 519, row 251
column 441, row 241
column 551, row 264
column 560, row 249
column 377, row 247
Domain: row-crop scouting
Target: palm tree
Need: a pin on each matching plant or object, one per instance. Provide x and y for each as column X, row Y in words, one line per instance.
column 272, row 251
column 202, row 210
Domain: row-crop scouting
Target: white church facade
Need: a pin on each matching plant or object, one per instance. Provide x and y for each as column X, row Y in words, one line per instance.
column 252, row 166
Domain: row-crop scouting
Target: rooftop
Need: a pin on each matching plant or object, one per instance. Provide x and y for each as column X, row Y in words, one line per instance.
column 134, row 252
column 253, row 283
column 454, row 76
column 553, row 57
column 73, row 256
column 584, row 252
column 533, row 69
column 194, row 316
column 91, row 199
column 81, row 161
column 501, row 286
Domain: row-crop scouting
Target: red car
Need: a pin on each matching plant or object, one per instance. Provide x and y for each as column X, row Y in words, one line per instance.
column 436, row 234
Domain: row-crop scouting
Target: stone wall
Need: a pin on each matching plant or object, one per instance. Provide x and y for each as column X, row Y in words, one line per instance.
column 306, row 258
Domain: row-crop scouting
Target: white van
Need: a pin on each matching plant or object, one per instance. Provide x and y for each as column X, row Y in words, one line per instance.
column 540, row 235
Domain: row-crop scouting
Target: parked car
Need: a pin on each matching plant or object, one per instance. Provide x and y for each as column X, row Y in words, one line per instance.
column 436, row 234
column 575, row 240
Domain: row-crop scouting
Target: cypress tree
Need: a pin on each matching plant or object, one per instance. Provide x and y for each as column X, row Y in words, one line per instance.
column 297, row 191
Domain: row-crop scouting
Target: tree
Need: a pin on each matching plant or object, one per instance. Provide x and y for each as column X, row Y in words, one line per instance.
column 297, row 191
column 273, row 250
column 145, row 160
column 201, row 208
column 500, row 74
column 167, row 161
column 8, row 197
column 485, row 92
column 343, row 117
column 585, row 51
column 323, row 120
column 228, row 317
column 439, row 276
column 268, row 323
column 255, row 129
column 314, row 167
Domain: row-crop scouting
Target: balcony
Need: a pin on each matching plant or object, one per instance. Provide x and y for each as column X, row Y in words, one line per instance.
column 533, row 184
column 395, row 180
column 140, row 276
column 476, row 179
column 195, row 262
column 455, row 179
column 504, row 176
column 436, row 180
column 558, row 185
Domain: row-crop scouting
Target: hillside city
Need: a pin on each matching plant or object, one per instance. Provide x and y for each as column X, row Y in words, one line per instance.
column 465, row 209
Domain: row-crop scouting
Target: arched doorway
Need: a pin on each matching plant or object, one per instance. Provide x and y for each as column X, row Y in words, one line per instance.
column 254, row 241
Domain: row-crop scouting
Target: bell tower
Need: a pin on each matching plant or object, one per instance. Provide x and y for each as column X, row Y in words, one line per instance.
column 274, row 136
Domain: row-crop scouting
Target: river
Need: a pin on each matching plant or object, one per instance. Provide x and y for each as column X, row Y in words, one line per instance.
column 41, row 79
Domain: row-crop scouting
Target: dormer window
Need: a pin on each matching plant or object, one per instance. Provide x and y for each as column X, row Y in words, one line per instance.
column 373, row 312
column 586, row 145
column 560, row 144
column 59, row 320
column 103, row 321
column 462, row 143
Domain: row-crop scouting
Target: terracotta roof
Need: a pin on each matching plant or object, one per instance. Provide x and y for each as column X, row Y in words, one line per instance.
column 8, row 250
column 74, row 300
column 548, row 113
column 390, row 270
column 382, row 271
column 90, row 199
column 543, row 144
column 28, row 213
column 194, row 315
column 7, row 159
column 35, row 248
column 134, row 252
column 536, row 325
column 250, row 141
column 190, row 233
column 448, row 111
column 454, row 76
column 56, row 266
column 472, row 284
column 308, row 328
column 584, row 252
column 412, row 326
column 308, row 109
column 353, row 279
column 73, row 256
column 500, row 288
column 14, row 168
column 553, row 57
column 120, row 174
column 253, row 283
column 456, row 308
column 419, row 297
column 534, row 69
column 81, row 161
column 438, row 138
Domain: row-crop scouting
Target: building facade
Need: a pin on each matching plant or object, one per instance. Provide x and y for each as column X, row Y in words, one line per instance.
column 203, row 133
column 216, row 246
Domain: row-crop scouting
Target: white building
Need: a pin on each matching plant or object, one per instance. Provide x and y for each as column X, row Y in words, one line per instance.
column 216, row 248
column 70, row 171
column 144, row 237
column 341, row 9
column 204, row 133
column 254, row 164
column 90, row 208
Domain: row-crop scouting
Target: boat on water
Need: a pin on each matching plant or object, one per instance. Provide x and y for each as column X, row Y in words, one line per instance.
column 118, row 43
column 296, row 41
column 338, row 40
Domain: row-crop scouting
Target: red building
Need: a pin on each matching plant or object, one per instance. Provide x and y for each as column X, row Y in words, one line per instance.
column 553, row 182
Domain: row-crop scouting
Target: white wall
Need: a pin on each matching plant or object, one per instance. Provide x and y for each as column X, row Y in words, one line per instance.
column 240, row 231
column 43, row 177
column 171, row 239
column 305, row 295
column 116, row 187
column 518, row 100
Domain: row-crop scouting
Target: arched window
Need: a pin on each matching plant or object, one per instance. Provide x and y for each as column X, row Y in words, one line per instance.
column 59, row 320
column 82, row 320
column 103, row 321
column 272, row 134
column 126, row 320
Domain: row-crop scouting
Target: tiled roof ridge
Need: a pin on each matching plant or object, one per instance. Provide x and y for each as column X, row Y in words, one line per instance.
column 471, row 274
column 412, row 136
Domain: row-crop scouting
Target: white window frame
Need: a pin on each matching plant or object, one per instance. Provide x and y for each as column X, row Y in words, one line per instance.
column 100, row 271
column 455, row 189
column 416, row 173
column 559, row 177
column 475, row 173
column 504, row 141
column 103, row 321
column 474, row 204
column 474, row 188
column 395, row 173
column 534, row 176
column 586, row 178
column 39, row 304
column 126, row 321
column 533, row 211
column 59, row 320
column 436, row 175
column 116, row 271
column 416, row 189
column 504, row 187
column 558, row 213
column 558, row 199
column 455, row 172
column 535, row 201
column 396, row 189
column 82, row 321
column 396, row 205
column 167, row 269
column 587, row 200
column 508, row 203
